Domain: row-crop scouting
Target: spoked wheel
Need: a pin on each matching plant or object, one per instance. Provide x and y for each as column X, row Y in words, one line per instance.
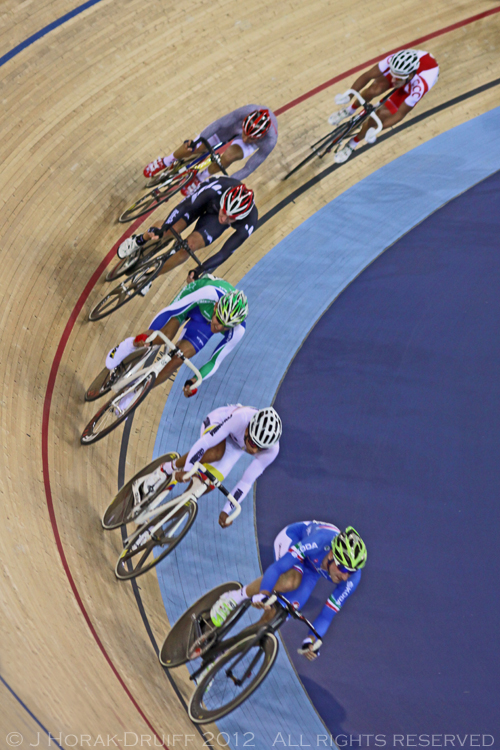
column 112, row 414
column 121, row 510
column 168, row 172
column 156, row 197
column 127, row 265
column 139, row 555
column 127, row 290
column 322, row 147
column 180, row 644
column 107, row 378
column 232, row 678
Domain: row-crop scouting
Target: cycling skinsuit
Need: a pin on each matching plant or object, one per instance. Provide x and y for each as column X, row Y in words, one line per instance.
column 197, row 302
column 204, row 205
column 303, row 546
column 229, row 423
column 230, row 127
column 423, row 80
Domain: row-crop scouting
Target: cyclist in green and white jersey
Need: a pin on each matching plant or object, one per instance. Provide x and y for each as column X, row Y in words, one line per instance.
column 210, row 306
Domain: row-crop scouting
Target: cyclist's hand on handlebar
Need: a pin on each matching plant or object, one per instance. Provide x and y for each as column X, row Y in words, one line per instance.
column 307, row 648
column 189, row 145
column 188, row 390
column 223, row 520
column 371, row 135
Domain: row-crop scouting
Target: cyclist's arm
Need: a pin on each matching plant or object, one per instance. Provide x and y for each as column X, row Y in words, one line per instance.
column 263, row 151
column 210, row 439
column 365, row 78
column 335, row 602
column 231, row 339
column 261, row 461
column 233, row 243
column 274, row 571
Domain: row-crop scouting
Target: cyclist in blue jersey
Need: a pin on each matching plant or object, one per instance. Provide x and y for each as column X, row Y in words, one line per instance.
column 303, row 552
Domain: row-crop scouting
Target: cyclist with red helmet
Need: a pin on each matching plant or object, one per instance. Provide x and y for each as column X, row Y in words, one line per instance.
column 252, row 130
column 410, row 72
column 220, row 203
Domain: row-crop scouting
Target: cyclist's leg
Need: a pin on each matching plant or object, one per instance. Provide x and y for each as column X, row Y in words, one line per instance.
column 230, row 155
column 195, row 242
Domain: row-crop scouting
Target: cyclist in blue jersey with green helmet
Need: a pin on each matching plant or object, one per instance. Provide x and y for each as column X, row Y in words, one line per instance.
column 304, row 552
column 209, row 306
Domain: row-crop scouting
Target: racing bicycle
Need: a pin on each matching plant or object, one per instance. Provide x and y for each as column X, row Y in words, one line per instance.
column 143, row 266
column 162, row 523
column 335, row 140
column 130, row 382
column 174, row 178
column 231, row 668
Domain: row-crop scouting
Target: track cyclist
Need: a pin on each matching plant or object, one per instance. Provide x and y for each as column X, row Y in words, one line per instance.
column 253, row 130
column 221, row 203
column 226, row 435
column 303, row 552
column 411, row 72
column 210, row 306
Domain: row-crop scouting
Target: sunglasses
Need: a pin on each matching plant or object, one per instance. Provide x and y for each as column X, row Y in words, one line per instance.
column 251, row 443
column 342, row 568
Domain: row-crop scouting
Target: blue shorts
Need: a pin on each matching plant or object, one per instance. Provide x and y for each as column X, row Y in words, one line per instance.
column 197, row 330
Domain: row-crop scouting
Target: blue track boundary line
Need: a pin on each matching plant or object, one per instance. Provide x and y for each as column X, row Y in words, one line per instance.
column 46, row 29
column 18, row 699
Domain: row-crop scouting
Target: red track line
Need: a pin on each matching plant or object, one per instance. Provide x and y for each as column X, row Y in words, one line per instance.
column 366, row 64
column 45, row 461
column 82, row 300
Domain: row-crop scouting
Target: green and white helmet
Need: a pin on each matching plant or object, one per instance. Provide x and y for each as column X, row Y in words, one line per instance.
column 349, row 550
column 232, row 309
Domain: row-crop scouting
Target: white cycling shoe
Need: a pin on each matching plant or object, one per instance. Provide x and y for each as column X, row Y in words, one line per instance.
column 337, row 117
column 343, row 155
column 145, row 289
column 128, row 247
column 149, row 484
column 222, row 608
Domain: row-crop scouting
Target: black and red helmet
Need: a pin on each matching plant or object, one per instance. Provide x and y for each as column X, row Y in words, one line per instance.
column 237, row 202
column 257, row 123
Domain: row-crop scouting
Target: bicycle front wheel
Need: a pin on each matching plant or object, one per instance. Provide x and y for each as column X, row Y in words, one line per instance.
column 178, row 646
column 139, row 556
column 156, row 197
column 111, row 414
column 127, row 290
column 233, row 678
column 107, row 378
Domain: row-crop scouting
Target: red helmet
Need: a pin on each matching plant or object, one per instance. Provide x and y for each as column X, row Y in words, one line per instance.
column 257, row 123
column 237, row 202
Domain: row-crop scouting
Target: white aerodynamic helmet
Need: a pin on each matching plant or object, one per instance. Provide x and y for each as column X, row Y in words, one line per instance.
column 404, row 63
column 265, row 427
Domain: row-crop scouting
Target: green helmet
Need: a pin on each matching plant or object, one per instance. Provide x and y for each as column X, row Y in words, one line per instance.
column 232, row 309
column 349, row 550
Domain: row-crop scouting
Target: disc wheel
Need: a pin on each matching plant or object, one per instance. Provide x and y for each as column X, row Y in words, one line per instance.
column 139, row 556
column 126, row 265
column 107, row 378
column 156, row 197
column 217, row 693
column 178, row 645
column 111, row 415
column 127, row 290
column 121, row 509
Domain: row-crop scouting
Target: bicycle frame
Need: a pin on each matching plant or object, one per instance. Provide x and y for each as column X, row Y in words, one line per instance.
column 202, row 161
column 198, row 488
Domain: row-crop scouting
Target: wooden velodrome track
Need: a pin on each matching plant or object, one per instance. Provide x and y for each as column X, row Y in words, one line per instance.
column 83, row 109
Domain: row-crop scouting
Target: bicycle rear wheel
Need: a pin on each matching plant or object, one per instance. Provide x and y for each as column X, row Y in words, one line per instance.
column 126, row 265
column 107, row 378
column 138, row 555
column 127, row 290
column 111, row 415
column 218, row 692
column 121, row 510
column 327, row 144
column 179, row 642
column 156, row 197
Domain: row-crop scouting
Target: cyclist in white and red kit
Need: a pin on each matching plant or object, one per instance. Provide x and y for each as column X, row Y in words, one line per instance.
column 252, row 130
column 411, row 72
